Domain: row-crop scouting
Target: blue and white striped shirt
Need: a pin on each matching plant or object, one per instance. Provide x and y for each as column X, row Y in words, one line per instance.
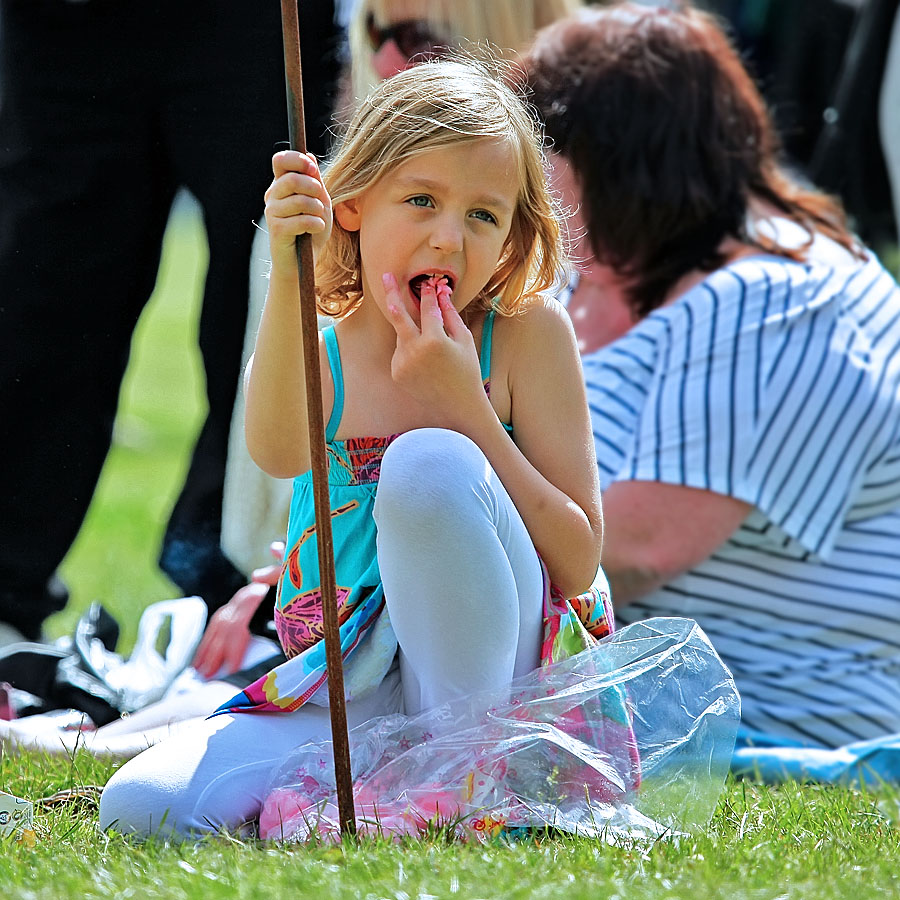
column 777, row 383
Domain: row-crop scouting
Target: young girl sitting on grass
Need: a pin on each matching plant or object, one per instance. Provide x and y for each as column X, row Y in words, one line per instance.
column 450, row 384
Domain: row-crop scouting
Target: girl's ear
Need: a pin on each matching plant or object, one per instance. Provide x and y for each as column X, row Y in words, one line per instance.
column 347, row 214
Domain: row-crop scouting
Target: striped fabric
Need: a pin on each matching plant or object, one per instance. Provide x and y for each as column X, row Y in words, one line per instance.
column 779, row 384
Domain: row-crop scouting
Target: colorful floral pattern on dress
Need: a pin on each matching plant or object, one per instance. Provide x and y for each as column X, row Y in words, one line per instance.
column 574, row 624
column 300, row 624
column 358, row 460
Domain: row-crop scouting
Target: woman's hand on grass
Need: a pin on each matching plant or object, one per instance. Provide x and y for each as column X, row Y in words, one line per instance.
column 227, row 635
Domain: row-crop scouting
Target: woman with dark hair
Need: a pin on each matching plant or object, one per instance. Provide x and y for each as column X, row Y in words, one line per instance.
column 741, row 351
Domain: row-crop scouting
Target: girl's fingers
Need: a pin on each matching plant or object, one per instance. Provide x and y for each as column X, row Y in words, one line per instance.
column 296, row 205
column 296, row 201
column 298, row 214
column 293, row 184
column 391, row 289
column 301, row 183
column 430, row 311
column 287, row 228
column 452, row 320
column 294, row 161
column 406, row 301
column 398, row 312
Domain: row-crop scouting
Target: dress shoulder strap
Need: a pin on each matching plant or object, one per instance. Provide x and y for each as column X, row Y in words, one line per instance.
column 487, row 335
column 337, row 378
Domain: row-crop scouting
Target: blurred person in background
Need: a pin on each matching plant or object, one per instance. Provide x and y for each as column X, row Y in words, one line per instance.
column 741, row 351
column 889, row 117
column 107, row 109
column 386, row 36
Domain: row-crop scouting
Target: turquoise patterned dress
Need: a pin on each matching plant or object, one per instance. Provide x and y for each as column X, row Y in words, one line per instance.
column 368, row 644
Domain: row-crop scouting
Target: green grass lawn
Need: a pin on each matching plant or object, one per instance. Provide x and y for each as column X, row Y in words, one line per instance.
column 793, row 841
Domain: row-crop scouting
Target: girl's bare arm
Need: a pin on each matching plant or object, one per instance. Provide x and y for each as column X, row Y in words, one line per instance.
column 550, row 471
column 275, row 422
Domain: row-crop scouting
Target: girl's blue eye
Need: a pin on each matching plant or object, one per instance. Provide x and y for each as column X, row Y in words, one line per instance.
column 420, row 200
column 485, row 216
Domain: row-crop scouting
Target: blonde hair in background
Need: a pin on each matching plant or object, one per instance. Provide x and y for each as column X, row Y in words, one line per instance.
column 508, row 25
column 434, row 105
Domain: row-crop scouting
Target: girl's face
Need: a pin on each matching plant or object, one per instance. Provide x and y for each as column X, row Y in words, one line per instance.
column 447, row 211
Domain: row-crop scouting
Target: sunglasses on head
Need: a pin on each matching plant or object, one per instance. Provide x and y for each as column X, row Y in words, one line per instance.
column 412, row 37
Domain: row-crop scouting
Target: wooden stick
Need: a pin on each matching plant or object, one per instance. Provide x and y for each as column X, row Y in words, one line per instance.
column 309, row 328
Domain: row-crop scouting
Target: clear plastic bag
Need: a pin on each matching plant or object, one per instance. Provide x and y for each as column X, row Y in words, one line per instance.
column 632, row 738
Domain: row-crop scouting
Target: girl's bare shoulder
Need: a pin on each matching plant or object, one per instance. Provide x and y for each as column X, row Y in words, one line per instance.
column 534, row 347
column 541, row 320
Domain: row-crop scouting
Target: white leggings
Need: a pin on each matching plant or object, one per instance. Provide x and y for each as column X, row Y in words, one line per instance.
column 463, row 589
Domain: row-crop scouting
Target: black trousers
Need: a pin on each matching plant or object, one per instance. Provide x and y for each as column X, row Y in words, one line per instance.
column 107, row 107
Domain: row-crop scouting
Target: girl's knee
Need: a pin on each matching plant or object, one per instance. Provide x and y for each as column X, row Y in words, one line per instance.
column 428, row 452
column 137, row 806
column 429, row 470
column 158, row 791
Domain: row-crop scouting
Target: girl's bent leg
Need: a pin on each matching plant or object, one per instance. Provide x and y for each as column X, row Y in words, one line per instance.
column 215, row 774
column 462, row 580
column 210, row 777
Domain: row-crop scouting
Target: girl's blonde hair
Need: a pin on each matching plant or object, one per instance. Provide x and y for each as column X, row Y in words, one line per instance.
column 508, row 25
column 439, row 104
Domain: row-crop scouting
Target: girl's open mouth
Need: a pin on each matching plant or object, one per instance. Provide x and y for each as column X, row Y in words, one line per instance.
column 442, row 284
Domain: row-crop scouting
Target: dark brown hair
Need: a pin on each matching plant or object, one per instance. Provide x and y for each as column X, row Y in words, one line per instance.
column 669, row 138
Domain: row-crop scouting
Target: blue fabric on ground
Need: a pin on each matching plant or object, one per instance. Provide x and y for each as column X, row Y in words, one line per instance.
column 863, row 763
